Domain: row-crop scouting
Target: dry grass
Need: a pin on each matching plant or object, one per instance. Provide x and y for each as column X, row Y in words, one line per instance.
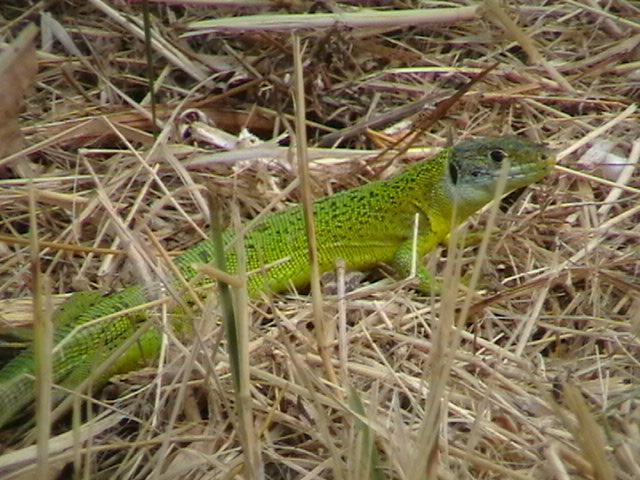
column 540, row 381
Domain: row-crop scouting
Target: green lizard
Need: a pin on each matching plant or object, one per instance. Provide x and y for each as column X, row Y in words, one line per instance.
column 364, row 226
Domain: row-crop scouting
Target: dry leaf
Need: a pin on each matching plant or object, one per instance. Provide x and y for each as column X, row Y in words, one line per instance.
column 18, row 68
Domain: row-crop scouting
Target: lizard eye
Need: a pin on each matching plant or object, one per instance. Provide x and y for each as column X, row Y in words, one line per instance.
column 497, row 155
column 453, row 173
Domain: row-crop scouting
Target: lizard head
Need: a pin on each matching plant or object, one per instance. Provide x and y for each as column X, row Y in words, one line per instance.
column 475, row 166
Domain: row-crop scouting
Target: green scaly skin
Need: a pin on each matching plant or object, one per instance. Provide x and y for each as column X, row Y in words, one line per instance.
column 364, row 226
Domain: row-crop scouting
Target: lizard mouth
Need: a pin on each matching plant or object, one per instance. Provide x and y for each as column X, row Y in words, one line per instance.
column 529, row 172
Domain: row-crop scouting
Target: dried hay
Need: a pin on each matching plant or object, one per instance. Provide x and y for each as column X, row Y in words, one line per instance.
column 542, row 380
